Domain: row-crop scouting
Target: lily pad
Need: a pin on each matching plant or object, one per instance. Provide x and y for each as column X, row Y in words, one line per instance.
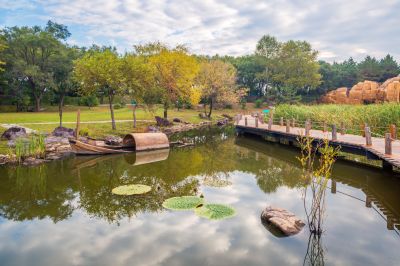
column 182, row 203
column 131, row 189
column 215, row 182
column 215, row 211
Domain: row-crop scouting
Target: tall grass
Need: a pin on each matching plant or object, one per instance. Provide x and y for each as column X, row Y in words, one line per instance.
column 31, row 147
column 378, row 116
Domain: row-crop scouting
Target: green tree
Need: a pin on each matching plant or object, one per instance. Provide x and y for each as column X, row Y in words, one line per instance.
column 250, row 73
column 389, row 68
column 369, row 69
column 30, row 51
column 101, row 71
column 296, row 68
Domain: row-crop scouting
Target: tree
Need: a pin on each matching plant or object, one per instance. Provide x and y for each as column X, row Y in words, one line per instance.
column 218, row 82
column 369, row 69
column 296, row 67
column 175, row 71
column 250, row 73
column 62, row 75
column 389, row 68
column 30, row 51
column 138, row 77
column 101, row 71
column 3, row 46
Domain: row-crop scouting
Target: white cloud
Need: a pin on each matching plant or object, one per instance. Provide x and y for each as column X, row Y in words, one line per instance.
column 233, row 27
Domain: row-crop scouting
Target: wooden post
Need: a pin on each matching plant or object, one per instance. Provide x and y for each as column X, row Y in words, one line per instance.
column 78, row 124
column 342, row 128
column 287, row 125
column 333, row 187
column 368, row 139
column 256, row 121
column 389, row 224
column 334, row 132
column 245, row 121
column 363, row 129
column 324, row 129
column 388, row 144
column 307, row 128
column 368, row 202
column 393, row 131
column 270, row 123
column 281, row 121
column 293, row 122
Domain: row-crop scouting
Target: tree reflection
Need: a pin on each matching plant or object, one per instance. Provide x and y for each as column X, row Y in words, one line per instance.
column 315, row 251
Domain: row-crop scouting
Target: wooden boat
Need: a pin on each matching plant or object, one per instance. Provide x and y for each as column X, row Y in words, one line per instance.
column 83, row 148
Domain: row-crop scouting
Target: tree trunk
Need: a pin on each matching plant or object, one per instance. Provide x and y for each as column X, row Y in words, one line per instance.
column 211, row 107
column 60, row 108
column 165, row 111
column 110, row 100
column 134, row 116
column 37, row 104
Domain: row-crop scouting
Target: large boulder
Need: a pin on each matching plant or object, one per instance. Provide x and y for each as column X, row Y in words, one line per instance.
column 113, row 140
column 283, row 220
column 13, row 133
column 162, row 122
column 63, row 132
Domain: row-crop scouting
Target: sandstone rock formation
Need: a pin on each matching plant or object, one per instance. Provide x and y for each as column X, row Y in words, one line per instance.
column 366, row 92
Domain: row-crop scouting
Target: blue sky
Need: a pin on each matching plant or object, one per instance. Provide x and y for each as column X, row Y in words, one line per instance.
column 337, row 28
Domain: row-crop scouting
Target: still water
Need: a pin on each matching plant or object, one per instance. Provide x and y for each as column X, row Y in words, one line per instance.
column 63, row 213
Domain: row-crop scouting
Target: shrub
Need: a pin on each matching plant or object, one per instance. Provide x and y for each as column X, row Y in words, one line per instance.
column 258, row 103
column 243, row 104
column 228, row 106
column 117, row 106
column 85, row 132
column 89, row 101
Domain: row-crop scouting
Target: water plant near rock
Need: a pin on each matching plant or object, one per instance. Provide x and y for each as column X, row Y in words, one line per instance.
column 134, row 189
column 215, row 211
column 182, row 203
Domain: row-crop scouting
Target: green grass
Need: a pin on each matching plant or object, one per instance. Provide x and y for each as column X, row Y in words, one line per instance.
column 377, row 116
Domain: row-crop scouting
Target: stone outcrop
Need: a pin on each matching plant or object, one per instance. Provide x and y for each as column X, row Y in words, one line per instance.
column 13, row 133
column 162, row 122
column 63, row 132
column 366, row 92
column 57, row 147
column 281, row 219
column 113, row 140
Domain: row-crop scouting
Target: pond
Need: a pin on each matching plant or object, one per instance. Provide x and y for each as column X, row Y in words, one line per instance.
column 63, row 212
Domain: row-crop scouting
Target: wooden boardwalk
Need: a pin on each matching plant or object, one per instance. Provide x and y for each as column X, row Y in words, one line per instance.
column 350, row 143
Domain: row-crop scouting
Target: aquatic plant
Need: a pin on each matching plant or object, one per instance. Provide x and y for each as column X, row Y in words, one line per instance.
column 131, row 189
column 182, row 203
column 215, row 211
column 30, row 147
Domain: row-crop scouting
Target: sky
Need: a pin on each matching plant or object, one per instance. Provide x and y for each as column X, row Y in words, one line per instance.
column 338, row 29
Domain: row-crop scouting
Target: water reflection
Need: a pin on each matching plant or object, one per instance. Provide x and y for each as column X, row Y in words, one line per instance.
column 68, row 205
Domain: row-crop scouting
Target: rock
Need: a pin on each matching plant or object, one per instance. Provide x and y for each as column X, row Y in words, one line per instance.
column 177, row 120
column 57, row 147
column 152, row 129
column 63, row 132
column 13, row 133
column 113, row 140
column 31, row 161
column 222, row 122
column 162, row 122
column 5, row 158
column 230, row 118
column 283, row 220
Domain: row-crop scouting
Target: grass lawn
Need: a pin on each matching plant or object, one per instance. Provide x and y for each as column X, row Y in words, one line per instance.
column 102, row 113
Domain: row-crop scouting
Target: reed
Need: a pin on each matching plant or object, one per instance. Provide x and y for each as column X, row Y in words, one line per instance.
column 31, row 147
column 378, row 116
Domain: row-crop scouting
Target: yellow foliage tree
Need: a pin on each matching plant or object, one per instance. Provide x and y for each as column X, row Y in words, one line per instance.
column 175, row 71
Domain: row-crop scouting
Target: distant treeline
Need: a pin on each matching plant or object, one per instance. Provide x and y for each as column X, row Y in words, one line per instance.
column 37, row 65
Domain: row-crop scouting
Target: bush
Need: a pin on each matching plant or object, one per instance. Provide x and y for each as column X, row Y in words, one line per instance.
column 243, row 104
column 228, row 106
column 117, row 106
column 89, row 101
column 258, row 103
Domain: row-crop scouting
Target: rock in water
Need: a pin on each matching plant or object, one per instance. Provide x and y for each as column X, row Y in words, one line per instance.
column 282, row 219
column 113, row 140
column 63, row 132
column 14, row 133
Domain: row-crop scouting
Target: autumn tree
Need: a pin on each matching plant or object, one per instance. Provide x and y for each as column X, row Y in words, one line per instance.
column 218, row 82
column 174, row 72
column 101, row 71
